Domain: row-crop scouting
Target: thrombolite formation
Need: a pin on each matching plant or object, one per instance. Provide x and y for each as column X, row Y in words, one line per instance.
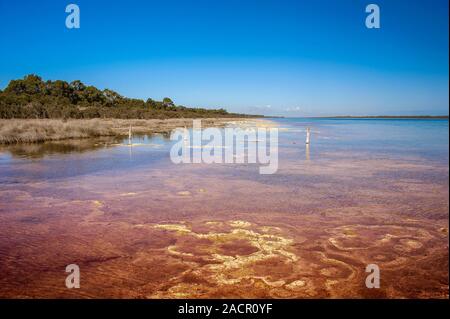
column 227, row 263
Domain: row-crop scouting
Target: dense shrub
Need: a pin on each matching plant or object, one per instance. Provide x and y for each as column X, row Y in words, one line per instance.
column 31, row 97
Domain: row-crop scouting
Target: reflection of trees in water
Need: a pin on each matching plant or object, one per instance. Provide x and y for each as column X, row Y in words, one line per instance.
column 165, row 135
column 39, row 150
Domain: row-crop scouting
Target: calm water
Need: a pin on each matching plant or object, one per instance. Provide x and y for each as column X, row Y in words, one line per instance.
column 410, row 139
column 415, row 137
column 139, row 226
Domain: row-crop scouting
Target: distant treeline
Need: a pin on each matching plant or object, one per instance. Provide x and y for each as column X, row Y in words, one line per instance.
column 386, row 117
column 34, row 98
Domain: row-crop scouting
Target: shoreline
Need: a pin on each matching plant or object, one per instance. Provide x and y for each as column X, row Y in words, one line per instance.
column 383, row 117
column 18, row 131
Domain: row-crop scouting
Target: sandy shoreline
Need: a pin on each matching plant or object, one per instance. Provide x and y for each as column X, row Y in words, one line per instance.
column 41, row 130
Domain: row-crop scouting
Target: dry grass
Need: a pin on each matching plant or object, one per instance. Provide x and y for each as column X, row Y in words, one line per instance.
column 40, row 130
column 32, row 131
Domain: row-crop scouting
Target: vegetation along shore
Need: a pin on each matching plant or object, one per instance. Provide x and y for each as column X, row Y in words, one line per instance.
column 32, row 97
column 33, row 110
column 41, row 130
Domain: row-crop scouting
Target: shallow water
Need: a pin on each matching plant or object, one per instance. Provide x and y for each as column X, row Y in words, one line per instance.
column 364, row 191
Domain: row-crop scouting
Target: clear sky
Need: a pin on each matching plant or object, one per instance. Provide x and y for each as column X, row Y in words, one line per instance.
column 279, row 57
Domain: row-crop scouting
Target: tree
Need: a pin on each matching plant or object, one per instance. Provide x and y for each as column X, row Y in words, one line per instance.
column 111, row 96
column 31, row 97
column 167, row 102
column 92, row 94
column 77, row 85
column 60, row 88
column 152, row 104
column 31, row 84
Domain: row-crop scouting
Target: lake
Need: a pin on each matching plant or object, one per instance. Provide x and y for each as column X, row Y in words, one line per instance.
column 365, row 191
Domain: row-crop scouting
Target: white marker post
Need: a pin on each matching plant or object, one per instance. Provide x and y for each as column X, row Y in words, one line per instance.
column 308, row 135
column 185, row 135
column 129, row 136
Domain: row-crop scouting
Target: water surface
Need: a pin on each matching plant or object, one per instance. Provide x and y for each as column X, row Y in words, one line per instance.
column 365, row 191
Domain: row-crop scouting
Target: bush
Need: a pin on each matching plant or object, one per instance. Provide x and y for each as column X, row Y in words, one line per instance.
column 31, row 97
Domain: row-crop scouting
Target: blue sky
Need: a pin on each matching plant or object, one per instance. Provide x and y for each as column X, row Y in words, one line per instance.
column 290, row 58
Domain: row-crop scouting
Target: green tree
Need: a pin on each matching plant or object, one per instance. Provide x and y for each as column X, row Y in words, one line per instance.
column 167, row 102
column 31, row 97
column 77, row 85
